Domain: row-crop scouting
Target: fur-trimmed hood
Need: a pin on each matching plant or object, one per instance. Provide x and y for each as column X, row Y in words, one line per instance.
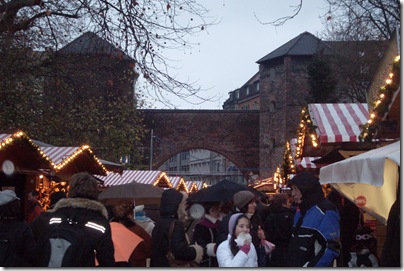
column 81, row 203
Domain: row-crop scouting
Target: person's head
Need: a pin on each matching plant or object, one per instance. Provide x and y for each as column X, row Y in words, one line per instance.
column 305, row 185
column 123, row 210
column 33, row 196
column 83, row 185
column 173, row 204
column 55, row 197
column 280, row 200
column 244, row 201
column 212, row 209
column 10, row 205
column 239, row 223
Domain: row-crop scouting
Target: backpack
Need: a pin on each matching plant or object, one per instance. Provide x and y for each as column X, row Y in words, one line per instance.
column 63, row 244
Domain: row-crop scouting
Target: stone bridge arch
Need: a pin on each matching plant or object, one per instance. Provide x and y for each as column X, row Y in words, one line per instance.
column 231, row 133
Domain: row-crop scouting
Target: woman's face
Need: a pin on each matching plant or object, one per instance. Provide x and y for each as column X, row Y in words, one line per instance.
column 214, row 211
column 252, row 206
column 243, row 226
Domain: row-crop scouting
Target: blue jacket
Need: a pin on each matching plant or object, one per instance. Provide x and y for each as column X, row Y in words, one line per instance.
column 315, row 242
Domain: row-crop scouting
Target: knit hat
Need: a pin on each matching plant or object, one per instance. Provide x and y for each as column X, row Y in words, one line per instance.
column 242, row 198
column 7, row 196
column 233, row 221
column 306, row 182
column 83, row 185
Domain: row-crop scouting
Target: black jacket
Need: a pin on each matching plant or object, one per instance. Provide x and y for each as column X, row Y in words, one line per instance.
column 98, row 243
column 21, row 249
column 278, row 226
column 205, row 232
column 169, row 204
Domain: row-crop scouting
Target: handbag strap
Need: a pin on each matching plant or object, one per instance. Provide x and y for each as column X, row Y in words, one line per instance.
column 170, row 234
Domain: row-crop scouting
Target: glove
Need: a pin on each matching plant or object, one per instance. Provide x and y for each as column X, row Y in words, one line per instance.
column 245, row 248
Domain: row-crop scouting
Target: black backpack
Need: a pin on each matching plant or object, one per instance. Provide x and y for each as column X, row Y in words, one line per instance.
column 63, row 244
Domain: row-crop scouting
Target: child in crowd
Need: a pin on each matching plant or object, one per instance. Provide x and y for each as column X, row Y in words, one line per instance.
column 237, row 250
column 364, row 249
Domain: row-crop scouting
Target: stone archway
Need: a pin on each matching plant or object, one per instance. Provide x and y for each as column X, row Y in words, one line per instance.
column 231, row 133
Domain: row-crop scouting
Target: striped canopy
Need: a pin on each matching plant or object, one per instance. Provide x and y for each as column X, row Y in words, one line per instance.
column 152, row 177
column 339, row 122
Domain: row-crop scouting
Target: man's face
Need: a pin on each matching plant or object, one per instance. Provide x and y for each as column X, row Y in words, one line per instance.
column 296, row 194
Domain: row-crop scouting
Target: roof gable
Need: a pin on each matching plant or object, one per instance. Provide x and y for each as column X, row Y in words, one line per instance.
column 302, row 45
column 90, row 43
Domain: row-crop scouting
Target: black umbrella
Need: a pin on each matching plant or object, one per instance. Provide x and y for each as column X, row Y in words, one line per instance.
column 221, row 191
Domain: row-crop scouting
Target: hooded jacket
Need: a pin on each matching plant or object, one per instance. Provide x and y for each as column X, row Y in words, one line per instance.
column 169, row 206
column 98, row 241
column 316, row 230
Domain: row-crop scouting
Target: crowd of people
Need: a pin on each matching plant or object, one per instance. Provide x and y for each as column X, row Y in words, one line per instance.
column 297, row 230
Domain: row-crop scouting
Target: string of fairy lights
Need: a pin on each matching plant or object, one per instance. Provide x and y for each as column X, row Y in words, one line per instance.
column 380, row 107
column 381, row 103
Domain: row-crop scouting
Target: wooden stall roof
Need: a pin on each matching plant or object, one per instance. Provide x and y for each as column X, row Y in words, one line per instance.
column 71, row 160
column 22, row 154
column 178, row 183
column 152, row 177
column 323, row 127
column 191, row 186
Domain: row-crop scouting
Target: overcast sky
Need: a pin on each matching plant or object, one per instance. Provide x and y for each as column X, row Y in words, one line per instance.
column 227, row 54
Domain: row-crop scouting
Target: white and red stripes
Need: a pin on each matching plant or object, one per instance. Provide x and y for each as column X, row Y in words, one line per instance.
column 128, row 176
column 339, row 122
column 306, row 162
column 58, row 154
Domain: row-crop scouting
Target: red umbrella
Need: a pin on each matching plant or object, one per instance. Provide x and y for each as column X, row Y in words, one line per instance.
column 124, row 241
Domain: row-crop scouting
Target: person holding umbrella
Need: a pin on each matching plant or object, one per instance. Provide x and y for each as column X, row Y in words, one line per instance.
column 205, row 233
column 164, row 240
column 140, row 250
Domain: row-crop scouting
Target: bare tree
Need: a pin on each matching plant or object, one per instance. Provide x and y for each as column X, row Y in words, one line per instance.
column 143, row 29
column 362, row 19
column 353, row 19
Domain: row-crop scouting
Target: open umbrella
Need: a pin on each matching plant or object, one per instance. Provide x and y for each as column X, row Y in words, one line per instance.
column 369, row 179
column 141, row 193
column 221, row 191
column 124, row 241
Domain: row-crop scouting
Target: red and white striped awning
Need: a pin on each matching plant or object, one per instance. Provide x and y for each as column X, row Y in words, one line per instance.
column 152, row 177
column 306, row 163
column 59, row 154
column 200, row 185
column 23, row 153
column 339, row 122
column 62, row 156
column 191, row 186
column 175, row 181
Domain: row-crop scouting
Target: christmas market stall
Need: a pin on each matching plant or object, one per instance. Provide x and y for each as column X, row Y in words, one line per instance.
column 178, row 183
column 23, row 165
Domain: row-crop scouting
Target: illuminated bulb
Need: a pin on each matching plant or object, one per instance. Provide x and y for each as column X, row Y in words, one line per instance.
column 381, row 95
column 372, row 115
column 388, row 81
column 369, row 121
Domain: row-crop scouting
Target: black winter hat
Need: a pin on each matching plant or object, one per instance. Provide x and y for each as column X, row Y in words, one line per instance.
column 170, row 201
column 306, row 182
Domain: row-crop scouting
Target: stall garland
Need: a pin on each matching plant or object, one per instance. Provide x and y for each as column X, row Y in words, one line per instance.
column 306, row 128
column 381, row 103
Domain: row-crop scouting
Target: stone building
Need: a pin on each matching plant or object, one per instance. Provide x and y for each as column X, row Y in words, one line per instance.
column 281, row 88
